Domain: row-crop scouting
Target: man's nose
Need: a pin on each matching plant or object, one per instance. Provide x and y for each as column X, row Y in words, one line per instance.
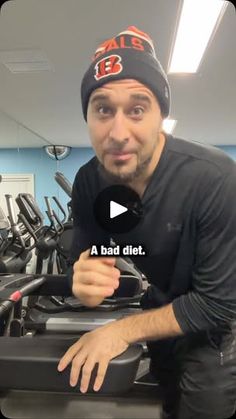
column 119, row 128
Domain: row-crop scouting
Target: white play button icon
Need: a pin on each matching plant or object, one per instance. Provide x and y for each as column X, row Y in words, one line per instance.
column 116, row 209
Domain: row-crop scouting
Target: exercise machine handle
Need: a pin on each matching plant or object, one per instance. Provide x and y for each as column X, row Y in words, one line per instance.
column 64, row 183
column 55, row 222
column 11, row 211
column 16, row 296
column 60, row 208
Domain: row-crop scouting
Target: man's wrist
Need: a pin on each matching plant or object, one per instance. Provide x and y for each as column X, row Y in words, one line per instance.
column 149, row 325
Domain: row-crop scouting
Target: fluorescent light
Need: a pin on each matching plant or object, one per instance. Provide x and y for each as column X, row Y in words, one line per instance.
column 198, row 20
column 168, row 125
column 28, row 67
column 25, row 60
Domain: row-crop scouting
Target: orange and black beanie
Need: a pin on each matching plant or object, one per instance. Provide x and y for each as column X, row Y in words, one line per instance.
column 130, row 55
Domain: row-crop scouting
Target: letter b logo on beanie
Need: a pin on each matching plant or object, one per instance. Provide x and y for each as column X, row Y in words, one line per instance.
column 108, row 66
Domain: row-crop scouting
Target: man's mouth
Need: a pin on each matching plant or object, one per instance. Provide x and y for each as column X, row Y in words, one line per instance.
column 120, row 155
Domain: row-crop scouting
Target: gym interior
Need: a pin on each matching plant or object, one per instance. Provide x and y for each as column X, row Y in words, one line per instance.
column 44, row 51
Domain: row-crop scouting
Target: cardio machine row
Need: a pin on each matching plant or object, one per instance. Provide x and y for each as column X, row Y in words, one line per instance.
column 38, row 328
column 25, row 238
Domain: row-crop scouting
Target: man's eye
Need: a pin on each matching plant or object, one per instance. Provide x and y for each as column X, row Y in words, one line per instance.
column 137, row 111
column 103, row 110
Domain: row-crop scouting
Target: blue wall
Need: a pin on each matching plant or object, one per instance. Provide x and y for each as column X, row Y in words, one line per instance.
column 36, row 161
column 230, row 150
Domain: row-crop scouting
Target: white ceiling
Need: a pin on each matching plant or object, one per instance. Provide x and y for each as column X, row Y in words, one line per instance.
column 68, row 31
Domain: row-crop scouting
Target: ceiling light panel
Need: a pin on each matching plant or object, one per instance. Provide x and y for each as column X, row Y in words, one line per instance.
column 25, row 60
column 198, row 22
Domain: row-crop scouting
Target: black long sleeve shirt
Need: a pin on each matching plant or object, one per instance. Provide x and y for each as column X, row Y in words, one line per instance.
column 188, row 230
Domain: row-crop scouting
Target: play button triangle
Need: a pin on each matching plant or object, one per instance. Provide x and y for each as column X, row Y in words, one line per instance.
column 116, row 209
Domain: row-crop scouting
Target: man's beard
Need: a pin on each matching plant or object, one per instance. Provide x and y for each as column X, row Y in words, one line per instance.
column 124, row 178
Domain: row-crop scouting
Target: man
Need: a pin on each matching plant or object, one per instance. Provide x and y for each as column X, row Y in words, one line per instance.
column 188, row 229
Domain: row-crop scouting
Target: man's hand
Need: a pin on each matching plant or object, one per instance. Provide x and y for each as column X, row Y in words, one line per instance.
column 94, row 278
column 96, row 347
column 109, row 341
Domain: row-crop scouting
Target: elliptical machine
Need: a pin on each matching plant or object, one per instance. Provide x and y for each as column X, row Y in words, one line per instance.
column 45, row 237
column 65, row 239
column 15, row 249
column 4, row 231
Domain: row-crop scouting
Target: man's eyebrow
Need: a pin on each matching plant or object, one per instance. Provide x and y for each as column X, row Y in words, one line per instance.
column 134, row 96
column 98, row 97
column 141, row 97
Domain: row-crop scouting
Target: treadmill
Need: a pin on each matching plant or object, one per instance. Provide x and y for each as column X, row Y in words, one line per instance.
column 33, row 339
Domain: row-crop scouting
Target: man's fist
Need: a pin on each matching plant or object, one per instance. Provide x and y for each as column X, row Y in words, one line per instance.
column 94, row 278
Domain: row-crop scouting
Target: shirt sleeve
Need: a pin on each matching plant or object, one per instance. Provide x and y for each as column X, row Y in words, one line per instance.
column 211, row 302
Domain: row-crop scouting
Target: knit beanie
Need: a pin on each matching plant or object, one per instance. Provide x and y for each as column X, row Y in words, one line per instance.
column 129, row 55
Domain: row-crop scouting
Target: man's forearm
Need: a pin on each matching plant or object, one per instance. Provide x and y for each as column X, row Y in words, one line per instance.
column 150, row 325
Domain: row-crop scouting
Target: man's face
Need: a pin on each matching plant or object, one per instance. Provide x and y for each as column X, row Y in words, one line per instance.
column 124, row 122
